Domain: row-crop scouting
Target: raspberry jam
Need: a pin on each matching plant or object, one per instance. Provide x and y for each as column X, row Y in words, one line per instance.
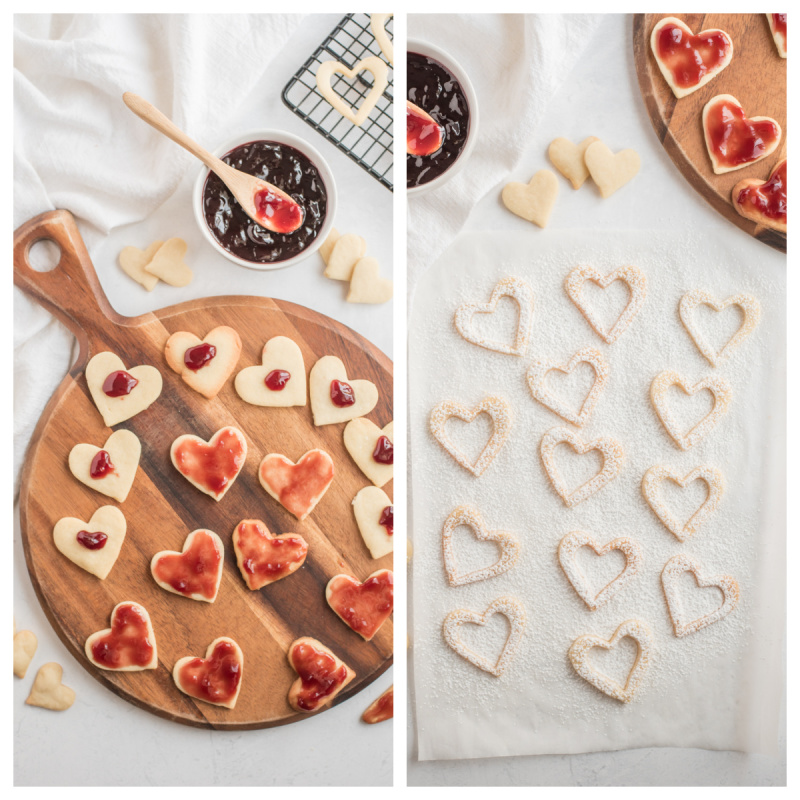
column 768, row 199
column 214, row 679
column 779, row 26
column 691, row 57
column 198, row 356
column 423, row 134
column 364, row 607
column 384, row 451
column 101, row 465
column 734, row 139
column 342, row 394
column 214, row 464
column 301, row 484
column 127, row 644
column 92, row 541
column 382, row 709
column 194, row 571
column 276, row 212
column 119, row 383
column 277, row 379
column 318, row 673
column 266, row 558
column 387, row 519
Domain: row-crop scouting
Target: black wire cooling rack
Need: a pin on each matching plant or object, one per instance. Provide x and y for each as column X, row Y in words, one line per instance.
column 370, row 145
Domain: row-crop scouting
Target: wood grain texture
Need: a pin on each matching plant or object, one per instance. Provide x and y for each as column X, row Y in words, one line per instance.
column 756, row 77
column 163, row 508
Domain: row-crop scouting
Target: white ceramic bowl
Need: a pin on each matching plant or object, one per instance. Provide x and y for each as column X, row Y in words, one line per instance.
column 313, row 155
column 446, row 60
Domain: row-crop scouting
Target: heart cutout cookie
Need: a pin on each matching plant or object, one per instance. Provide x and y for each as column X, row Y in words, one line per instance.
column 297, row 487
column 334, row 397
column 204, row 364
column 48, row 691
column 321, row 675
column 537, row 375
column 380, row 80
column 519, row 291
column 749, row 306
column 367, row 285
column 683, row 531
column 109, row 469
column 777, row 27
column 374, row 513
column 168, row 264
column 567, row 556
column 581, row 648
column 673, row 569
column 133, row 261
column 378, row 24
column 132, row 390
column 129, row 645
column 264, row 557
column 216, row 678
column 345, row 251
column 512, row 609
column 471, row 517
column 716, row 384
column 500, row 413
column 610, row 449
column 279, row 381
column 363, row 607
column 764, row 202
column 533, row 201
column 611, row 171
column 196, row 571
column 689, row 61
column 25, row 644
column 211, row 466
column 636, row 282
column 371, row 448
column 570, row 159
column 93, row 545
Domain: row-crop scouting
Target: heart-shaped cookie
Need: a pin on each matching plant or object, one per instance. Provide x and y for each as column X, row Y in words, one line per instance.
column 499, row 411
column 120, row 394
column 210, row 466
column 471, row 517
column 764, row 202
column 673, row 569
column 167, row 263
column 570, row 159
column 610, row 449
column 133, row 262
column 215, row 679
column 611, row 171
column 716, row 384
column 109, row 469
column 537, row 375
column 279, row 381
column 326, row 248
column 297, row 487
column 567, row 556
column 512, row 609
column 533, row 201
column 321, row 675
column 367, row 285
column 129, row 645
column 777, row 26
column 581, row 648
column 733, row 141
column 344, row 253
column 334, row 397
column 25, row 644
column 380, row 79
column 371, row 448
column 264, row 557
column 381, row 709
column 374, row 513
column 196, row 571
column 636, row 282
column 687, row 60
column 650, row 489
column 363, row 607
column 519, row 291
column 377, row 23
column 204, row 364
column 93, row 545
column 48, row 691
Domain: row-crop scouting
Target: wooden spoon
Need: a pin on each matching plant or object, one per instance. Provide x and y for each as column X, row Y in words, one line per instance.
column 265, row 204
column 423, row 133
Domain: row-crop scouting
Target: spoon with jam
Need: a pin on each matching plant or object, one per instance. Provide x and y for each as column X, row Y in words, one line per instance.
column 423, row 132
column 267, row 205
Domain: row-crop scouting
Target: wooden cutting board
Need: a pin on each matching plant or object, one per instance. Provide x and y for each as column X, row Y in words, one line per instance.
column 756, row 77
column 163, row 508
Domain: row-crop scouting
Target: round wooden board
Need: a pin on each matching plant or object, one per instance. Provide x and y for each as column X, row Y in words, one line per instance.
column 163, row 508
column 756, row 77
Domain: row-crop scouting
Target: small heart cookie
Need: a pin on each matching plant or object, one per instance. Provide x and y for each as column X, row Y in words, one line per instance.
column 569, row 159
column 611, row 171
column 519, row 291
column 280, row 381
column 510, row 608
column 264, row 557
column 567, row 556
column 581, row 648
column 716, row 384
column 363, row 607
column 777, row 27
column 297, row 487
column 109, row 469
column 374, row 513
column 93, row 545
column 204, row 364
column 371, row 448
column 25, row 644
column 334, row 397
column 129, row 645
column 380, row 80
column 168, row 265
column 321, row 675
column 210, row 466
column 378, row 24
column 196, row 571
column 764, row 202
column 367, row 285
column 326, row 247
column 344, row 254
column 533, row 201
column 381, row 709
column 48, row 691
column 215, row 679
column 133, row 262
column 120, row 394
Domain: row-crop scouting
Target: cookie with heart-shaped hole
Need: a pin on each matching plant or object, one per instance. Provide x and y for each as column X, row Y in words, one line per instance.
column 48, row 691
column 367, row 285
column 764, row 202
column 681, row 624
column 211, row 466
column 297, row 487
column 377, row 22
column 280, row 380
column 129, row 645
column 570, row 159
column 168, row 265
column 777, row 27
column 380, row 80
column 363, row 607
column 336, row 398
column 372, row 449
column 204, row 364
column 216, row 678
column 611, row 171
column 25, row 644
column 196, row 571
column 93, row 545
column 374, row 513
column 533, row 201
column 264, row 557
column 321, row 675
column 344, row 253
column 109, row 469
column 133, row 261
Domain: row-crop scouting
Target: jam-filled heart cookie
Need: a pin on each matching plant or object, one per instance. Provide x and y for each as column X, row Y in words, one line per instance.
column 297, row 487
column 363, row 607
column 764, row 202
column 321, row 675
column 374, row 515
column 777, row 26
column 204, row 364
column 215, row 679
column 120, row 394
column 195, row 572
column 129, row 645
column 280, row 381
column 371, row 448
column 93, row 545
column 210, row 466
column 336, row 398
column 111, row 469
column 264, row 557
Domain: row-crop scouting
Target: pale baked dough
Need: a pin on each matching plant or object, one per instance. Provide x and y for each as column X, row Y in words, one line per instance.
column 378, row 24
column 327, row 246
column 124, row 450
column 168, row 264
column 323, row 373
column 152, row 664
column 25, row 644
column 133, row 261
column 48, row 691
column 569, row 159
column 211, row 377
column 283, row 353
column 368, row 506
column 344, row 254
column 367, row 285
column 380, row 80
column 611, row 171
column 186, row 546
column 176, row 671
column 533, row 201
column 360, row 438
column 108, row 520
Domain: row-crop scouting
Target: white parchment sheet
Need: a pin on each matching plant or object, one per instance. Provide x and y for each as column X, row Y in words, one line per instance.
column 719, row 688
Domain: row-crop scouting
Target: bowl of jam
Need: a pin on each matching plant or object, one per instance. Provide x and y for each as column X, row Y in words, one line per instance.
column 438, row 86
column 291, row 164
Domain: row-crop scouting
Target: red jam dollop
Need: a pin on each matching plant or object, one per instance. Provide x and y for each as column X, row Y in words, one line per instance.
column 92, row 541
column 423, row 134
column 342, row 394
column 214, row 679
column 768, row 199
column 734, row 139
column 277, row 379
column 297, row 485
column 214, row 464
column 387, row 519
column 277, row 212
column 119, row 383
column 690, row 57
column 194, row 571
column 779, row 26
column 198, row 356
column 384, row 451
column 319, row 675
column 266, row 558
column 101, row 465
column 363, row 606
column 128, row 643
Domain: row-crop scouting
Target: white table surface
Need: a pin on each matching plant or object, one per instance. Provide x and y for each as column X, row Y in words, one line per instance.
column 601, row 98
column 91, row 743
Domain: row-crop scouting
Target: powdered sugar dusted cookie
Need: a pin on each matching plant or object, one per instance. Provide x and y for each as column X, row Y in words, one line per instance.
column 281, row 378
column 129, row 645
column 195, row 572
column 569, row 159
column 297, row 487
column 215, row 679
column 264, row 557
column 533, row 201
column 111, row 469
column 336, row 398
column 120, row 394
column 764, row 202
column 363, row 607
column 204, row 364
column 48, row 691
column 371, row 448
column 380, row 80
column 93, row 545
column 374, row 515
column 210, row 466
column 611, row 171
column 322, row 675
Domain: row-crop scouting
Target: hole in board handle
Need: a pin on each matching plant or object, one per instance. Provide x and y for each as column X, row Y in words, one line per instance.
column 44, row 255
